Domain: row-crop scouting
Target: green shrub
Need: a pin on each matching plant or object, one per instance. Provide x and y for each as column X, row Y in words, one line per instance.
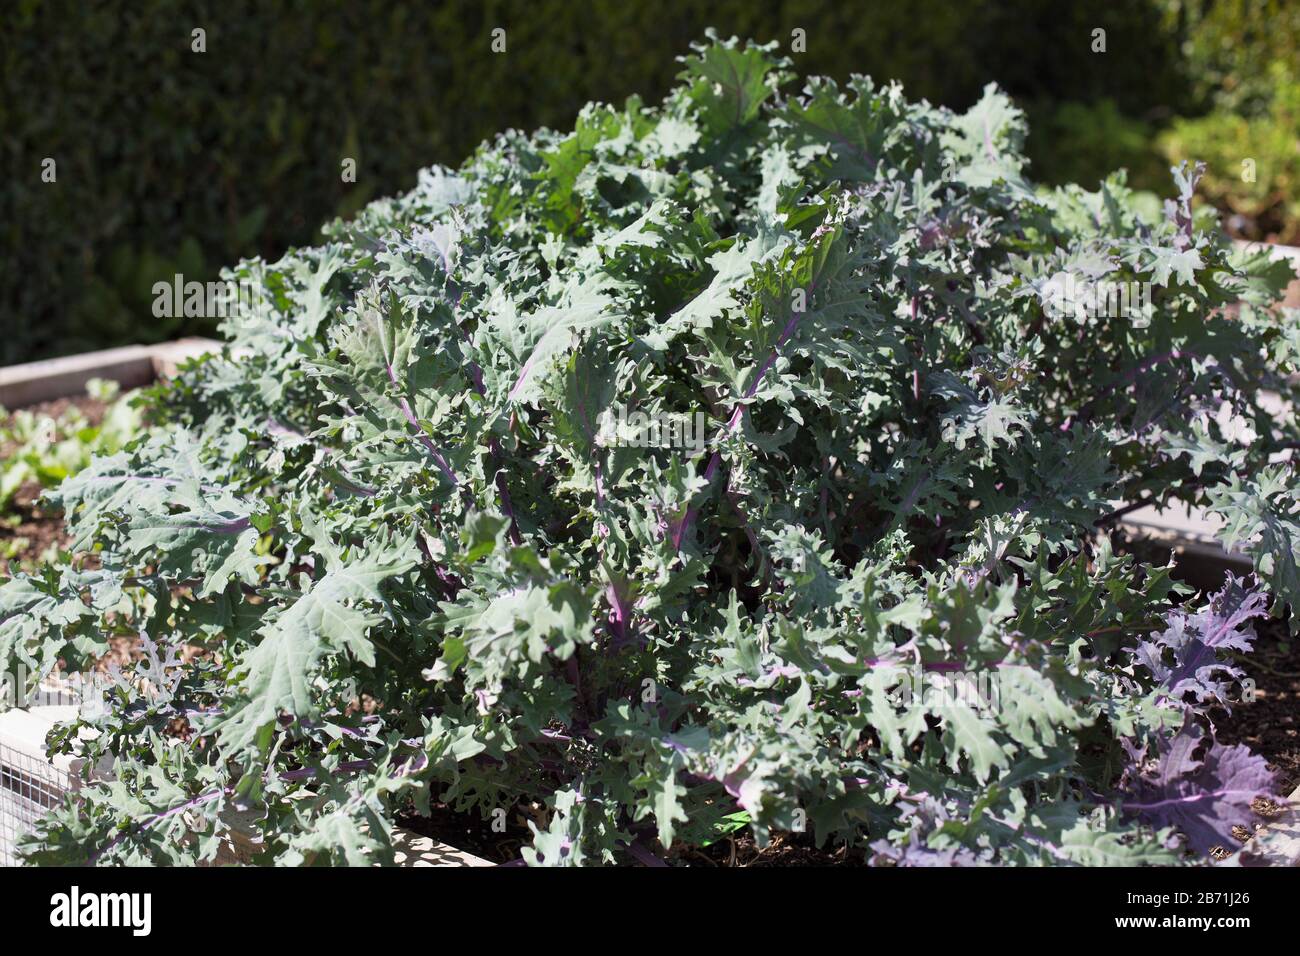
column 173, row 161
column 1231, row 47
column 1252, row 162
column 1241, row 58
column 1076, row 142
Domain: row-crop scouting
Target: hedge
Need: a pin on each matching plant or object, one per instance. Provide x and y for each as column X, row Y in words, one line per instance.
column 168, row 160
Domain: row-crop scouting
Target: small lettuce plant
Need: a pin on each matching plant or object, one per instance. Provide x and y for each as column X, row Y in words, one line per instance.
column 415, row 555
column 43, row 449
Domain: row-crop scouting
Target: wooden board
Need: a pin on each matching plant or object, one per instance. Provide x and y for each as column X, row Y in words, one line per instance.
column 131, row 366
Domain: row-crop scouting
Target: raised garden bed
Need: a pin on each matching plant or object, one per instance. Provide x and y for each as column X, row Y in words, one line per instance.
column 31, row 784
column 62, row 395
column 405, row 521
column 131, row 366
column 1270, row 725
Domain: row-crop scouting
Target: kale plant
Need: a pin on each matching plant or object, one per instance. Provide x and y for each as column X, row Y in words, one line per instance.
column 749, row 461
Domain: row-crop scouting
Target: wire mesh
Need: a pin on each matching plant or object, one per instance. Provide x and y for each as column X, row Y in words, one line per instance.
column 29, row 788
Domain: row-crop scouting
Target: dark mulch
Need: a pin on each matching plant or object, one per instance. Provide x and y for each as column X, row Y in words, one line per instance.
column 785, row 850
column 92, row 408
column 33, row 529
column 1270, row 724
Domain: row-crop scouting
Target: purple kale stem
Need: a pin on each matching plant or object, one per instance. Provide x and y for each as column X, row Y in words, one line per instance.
column 353, row 486
column 419, row 431
column 1129, row 376
column 1197, row 797
column 746, row 526
column 507, row 506
column 575, row 679
column 911, row 497
column 1151, row 362
column 916, row 372
column 644, row 856
column 737, row 415
column 159, row 818
column 494, row 446
column 476, row 374
column 621, row 609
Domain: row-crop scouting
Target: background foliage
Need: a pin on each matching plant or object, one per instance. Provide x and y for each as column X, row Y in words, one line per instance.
column 171, row 161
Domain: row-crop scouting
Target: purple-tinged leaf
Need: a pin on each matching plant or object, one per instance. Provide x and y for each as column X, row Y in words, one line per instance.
column 1193, row 639
column 1201, row 787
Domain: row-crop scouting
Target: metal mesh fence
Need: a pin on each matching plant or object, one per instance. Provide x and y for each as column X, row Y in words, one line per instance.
column 29, row 788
